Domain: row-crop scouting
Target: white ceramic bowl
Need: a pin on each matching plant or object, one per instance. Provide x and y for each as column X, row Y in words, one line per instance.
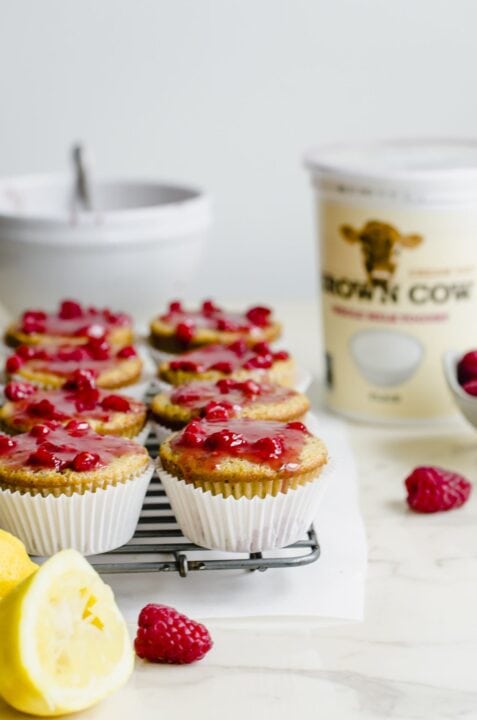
column 466, row 403
column 141, row 246
column 386, row 357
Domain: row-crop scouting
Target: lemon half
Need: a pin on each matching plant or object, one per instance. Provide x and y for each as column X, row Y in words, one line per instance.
column 64, row 644
column 15, row 565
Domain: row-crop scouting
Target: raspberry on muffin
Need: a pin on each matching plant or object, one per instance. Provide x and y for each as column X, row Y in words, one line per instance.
column 226, row 398
column 80, row 400
column 180, row 329
column 71, row 324
column 50, row 366
column 236, row 361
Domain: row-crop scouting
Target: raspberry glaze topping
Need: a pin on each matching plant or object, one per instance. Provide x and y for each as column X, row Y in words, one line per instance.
column 228, row 358
column 73, row 447
column 79, row 399
column 212, row 317
column 274, row 443
column 73, row 320
column 228, row 393
column 96, row 355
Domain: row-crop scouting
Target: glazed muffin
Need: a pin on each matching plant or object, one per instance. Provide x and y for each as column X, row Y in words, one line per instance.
column 180, row 329
column 80, row 400
column 227, row 398
column 66, row 460
column 241, row 484
column 51, row 366
column 242, row 457
column 236, row 361
column 64, row 487
column 72, row 324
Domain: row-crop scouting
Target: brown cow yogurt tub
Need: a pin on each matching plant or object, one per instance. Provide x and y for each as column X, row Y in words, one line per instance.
column 397, row 235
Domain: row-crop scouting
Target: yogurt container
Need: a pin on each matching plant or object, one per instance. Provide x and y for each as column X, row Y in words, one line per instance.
column 397, row 243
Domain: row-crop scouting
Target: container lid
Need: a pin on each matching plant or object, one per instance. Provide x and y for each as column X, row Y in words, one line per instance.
column 40, row 208
column 442, row 170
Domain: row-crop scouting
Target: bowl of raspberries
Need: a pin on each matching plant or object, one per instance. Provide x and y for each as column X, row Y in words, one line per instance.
column 461, row 374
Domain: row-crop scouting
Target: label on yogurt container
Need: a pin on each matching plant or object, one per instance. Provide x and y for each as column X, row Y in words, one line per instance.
column 398, row 290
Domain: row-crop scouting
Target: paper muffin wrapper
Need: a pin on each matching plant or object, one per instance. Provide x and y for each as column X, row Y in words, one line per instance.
column 248, row 524
column 159, row 356
column 142, row 436
column 92, row 522
column 161, row 431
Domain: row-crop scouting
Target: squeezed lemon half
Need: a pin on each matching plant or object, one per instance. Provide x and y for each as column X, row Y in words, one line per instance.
column 64, row 644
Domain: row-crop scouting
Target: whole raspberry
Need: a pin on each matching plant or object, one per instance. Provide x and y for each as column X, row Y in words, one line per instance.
column 126, row 352
column 185, row 331
column 166, row 636
column 224, row 366
column 467, row 367
column 470, row 387
column 13, row 364
column 18, row 391
column 433, row 489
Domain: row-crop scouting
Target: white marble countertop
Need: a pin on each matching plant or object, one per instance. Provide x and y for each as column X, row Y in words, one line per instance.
column 414, row 656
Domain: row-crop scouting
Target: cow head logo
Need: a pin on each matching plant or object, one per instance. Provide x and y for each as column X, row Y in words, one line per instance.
column 379, row 246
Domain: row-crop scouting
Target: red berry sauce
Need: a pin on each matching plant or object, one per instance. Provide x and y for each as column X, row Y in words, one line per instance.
column 228, row 393
column 96, row 355
column 73, row 320
column 227, row 359
column 63, row 448
column 32, row 405
column 212, row 317
column 275, row 443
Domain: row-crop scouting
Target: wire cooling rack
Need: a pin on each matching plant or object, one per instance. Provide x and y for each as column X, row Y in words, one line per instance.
column 159, row 546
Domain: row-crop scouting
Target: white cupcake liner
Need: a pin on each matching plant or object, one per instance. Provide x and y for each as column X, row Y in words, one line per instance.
column 92, row 522
column 142, row 436
column 160, row 356
column 161, row 431
column 243, row 525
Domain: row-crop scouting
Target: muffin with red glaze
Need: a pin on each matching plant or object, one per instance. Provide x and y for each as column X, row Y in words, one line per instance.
column 51, row 366
column 72, row 324
column 227, row 398
column 236, row 361
column 180, row 329
column 79, row 399
column 243, row 485
column 64, row 487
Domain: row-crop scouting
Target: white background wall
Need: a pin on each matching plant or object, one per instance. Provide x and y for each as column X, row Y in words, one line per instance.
column 228, row 94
